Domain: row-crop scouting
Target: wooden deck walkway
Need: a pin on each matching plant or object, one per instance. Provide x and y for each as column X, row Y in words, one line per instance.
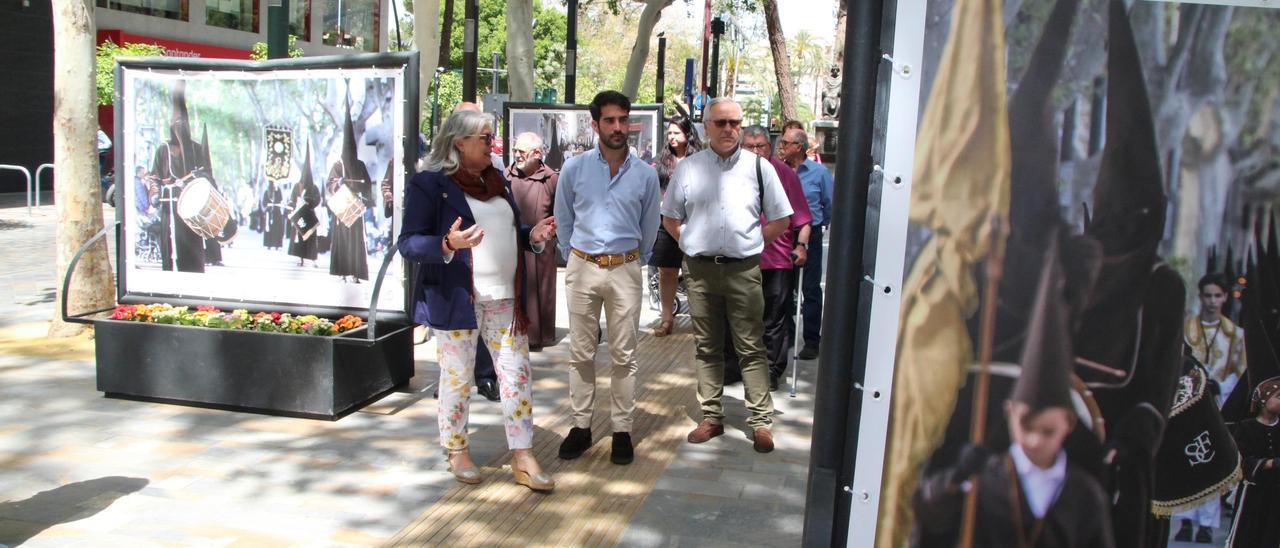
column 594, row 499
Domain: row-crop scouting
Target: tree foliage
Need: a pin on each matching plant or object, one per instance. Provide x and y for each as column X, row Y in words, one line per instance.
column 259, row 52
column 549, row 31
column 105, row 65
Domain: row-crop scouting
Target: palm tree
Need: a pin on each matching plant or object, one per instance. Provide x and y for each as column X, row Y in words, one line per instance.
column 807, row 56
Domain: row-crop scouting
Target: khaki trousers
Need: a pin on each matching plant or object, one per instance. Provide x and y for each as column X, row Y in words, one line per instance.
column 617, row 290
column 721, row 296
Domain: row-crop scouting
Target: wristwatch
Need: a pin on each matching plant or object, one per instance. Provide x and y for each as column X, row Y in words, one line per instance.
column 803, row 244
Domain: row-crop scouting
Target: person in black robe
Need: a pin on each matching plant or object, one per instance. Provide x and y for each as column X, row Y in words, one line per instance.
column 274, row 219
column 1255, row 522
column 177, row 162
column 1031, row 495
column 303, row 220
column 348, row 257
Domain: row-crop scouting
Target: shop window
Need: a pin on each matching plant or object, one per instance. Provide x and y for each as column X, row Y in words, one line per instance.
column 232, row 14
column 168, row 9
column 300, row 19
column 351, row 24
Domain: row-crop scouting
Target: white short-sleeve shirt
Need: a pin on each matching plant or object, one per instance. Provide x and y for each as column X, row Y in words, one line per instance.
column 718, row 203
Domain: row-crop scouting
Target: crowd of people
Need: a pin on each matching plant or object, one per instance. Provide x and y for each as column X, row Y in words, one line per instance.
column 728, row 216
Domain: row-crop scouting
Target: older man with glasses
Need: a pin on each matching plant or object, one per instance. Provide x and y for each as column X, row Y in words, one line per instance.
column 817, row 183
column 533, row 184
column 724, row 205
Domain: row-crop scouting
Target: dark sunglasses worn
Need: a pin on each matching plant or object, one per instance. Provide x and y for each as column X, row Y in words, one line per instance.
column 721, row 123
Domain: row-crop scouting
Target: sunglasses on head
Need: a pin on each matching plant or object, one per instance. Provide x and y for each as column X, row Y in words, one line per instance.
column 723, row 122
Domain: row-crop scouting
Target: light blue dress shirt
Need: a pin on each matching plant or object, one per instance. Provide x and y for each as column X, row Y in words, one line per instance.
column 598, row 214
column 818, row 186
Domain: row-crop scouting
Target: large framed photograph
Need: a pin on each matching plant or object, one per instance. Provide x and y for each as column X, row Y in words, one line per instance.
column 644, row 136
column 566, row 130
column 264, row 184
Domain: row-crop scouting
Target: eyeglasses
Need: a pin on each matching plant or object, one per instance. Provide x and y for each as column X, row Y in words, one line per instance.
column 734, row 123
column 488, row 137
column 528, row 152
column 784, row 142
column 757, row 146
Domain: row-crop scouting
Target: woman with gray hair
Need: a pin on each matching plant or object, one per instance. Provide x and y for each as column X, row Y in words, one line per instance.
column 462, row 228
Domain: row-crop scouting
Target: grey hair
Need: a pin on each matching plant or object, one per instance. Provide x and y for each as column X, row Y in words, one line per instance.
column 755, row 130
column 802, row 138
column 444, row 157
column 720, row 101
column 531, row 137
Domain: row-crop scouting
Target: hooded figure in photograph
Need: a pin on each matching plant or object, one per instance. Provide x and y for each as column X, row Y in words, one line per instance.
column 176, row 163
column 1033, row 493
column 273, row 222
column 349, row 192
column 303, row 220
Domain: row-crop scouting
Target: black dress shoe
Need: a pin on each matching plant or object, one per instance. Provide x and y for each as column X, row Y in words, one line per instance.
column 1184, row 533
column 576, row 443
column 488, row 388
column 1204, row 535
column 810, row 352
column 623, row 452
column 773, row 383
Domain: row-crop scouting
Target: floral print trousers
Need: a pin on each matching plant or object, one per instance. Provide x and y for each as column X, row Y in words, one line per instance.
column 456, row 354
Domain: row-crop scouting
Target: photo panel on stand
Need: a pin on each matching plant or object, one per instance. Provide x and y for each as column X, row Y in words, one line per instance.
column 565, row 130
column 262, row 186
column 1063, row 205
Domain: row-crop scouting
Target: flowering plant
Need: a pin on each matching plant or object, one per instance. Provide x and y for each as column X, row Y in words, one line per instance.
column 210, row 316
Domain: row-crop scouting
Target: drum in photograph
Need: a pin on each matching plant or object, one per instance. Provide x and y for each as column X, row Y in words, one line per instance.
column 1197, row 459
column 346, row 206
column 203, row 208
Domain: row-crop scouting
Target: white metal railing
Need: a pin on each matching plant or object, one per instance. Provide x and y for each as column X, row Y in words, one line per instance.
column 27, row 174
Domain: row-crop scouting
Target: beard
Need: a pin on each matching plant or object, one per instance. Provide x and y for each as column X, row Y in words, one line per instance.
column 614, row 141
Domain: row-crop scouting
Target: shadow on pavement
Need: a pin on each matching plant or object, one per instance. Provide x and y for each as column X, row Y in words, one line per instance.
column 23, row 519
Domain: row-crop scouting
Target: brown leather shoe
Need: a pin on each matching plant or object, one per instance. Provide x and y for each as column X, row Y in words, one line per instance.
column 763, row 440
column 705, row 431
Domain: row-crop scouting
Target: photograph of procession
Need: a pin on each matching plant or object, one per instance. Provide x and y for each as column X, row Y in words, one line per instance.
column 566, row 130
column 1085, row 180
column 273, row 187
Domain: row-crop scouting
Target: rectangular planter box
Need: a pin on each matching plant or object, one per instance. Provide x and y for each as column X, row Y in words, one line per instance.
column 274, row 373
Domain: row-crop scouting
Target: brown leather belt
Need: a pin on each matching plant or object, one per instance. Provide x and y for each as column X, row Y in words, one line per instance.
column 607, row 260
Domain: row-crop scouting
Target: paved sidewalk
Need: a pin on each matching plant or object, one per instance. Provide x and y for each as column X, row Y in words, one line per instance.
column 80, row 469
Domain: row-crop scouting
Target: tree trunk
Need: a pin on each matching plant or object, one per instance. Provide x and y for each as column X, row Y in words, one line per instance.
column 520, row 50
column 446, row 30
column 640, row 51
column 77, row 195
column 837, row 48
column 781, row 66
column 426, row 35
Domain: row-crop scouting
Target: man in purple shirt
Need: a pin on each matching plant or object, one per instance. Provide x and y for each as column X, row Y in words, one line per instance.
column 779, row 259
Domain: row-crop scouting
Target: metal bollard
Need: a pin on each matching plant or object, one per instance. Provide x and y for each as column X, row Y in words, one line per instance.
column 40, row 170
column 28, row 176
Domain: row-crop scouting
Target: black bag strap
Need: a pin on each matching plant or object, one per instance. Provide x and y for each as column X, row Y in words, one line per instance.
column 760, row 184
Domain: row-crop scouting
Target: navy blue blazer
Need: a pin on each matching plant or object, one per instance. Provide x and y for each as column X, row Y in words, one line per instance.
column 443, row 292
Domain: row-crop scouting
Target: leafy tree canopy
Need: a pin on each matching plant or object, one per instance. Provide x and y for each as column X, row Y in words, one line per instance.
column 105, row 65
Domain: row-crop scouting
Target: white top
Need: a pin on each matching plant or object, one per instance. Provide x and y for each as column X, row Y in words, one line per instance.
column 1040, row 485
column 717, row 201
column 493, row 262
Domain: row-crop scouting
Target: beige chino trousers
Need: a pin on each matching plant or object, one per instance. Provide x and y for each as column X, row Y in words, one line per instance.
column 617, row 289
